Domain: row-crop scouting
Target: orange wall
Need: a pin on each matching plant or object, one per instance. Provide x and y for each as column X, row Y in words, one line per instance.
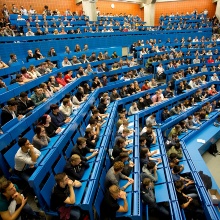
column 38, row 5
column 183, row 6
column 120, row 7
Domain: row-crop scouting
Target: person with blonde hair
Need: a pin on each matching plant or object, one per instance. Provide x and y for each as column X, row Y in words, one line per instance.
column 75, row 167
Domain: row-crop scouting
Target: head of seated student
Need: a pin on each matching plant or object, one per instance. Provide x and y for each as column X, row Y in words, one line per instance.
column 54, row 108
column 45, row 119
column 40, row 131
column 24, row 144
column 114, row 192
column 147, row 183
column 151, row 165
column 66, row 102
column 12, row 105
column 81, row 142
column 19, row 78
column 179, row 185
column 118, row 166
column 89, row 133
column 125, row 123
column 177, row 169
column 93, row 122
column 144, row 153
column 75, row 160
column 123, row 157
column 7, row 188
column 142, row 142
column 125, row 133
column 120, row 143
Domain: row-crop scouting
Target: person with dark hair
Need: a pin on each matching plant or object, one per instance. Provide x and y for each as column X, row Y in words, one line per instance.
column 91, row 138
column 18, row 79
column 50, row 128
column 114, row 175
column 102, row 106
column 149, row 170
column 75, row 167
column 52, row 52
column 57, row 117
column 13, row 204
column 40, row 139
column 114, row 96
column 189, row 202
column 147, row 100
column 165, row 114
column 81, row 149
column 63, row 194
column 109, row 205
column 177, row 150
column 189, row 186
column 13, row 58
column 60, row 79
column 149, row 135
column 37, row 54
column 151, row 120
column 25, row 159
column 66, row 107
column 9, row 112
column 173, row 161
column 120, row 147
column 148, row 197
column 24, row 104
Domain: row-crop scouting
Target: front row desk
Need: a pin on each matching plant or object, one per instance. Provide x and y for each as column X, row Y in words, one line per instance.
column 91, row 191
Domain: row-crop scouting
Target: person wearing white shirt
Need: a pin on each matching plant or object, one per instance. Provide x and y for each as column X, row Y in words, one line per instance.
column 214, row 77
column 66, row 107
column 20, row 18
column 66, row 62
column 196, row 39
column 192, row 83
column 196, row 60
column 133, row 109
column 160, row 71
column 23, row 11
column 151, row 120
column 29, row 33
column 25, row 158
column 209, row 53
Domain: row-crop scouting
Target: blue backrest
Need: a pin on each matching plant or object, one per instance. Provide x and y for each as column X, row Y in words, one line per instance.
column 98, row 200
column 9, row 124
column 10, row 155
column 60, row 165
column 47, row 189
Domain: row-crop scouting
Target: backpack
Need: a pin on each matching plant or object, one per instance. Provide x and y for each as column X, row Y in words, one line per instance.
column 213, row 149
column 207, row 180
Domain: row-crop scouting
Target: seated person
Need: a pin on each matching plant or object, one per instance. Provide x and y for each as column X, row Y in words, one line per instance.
column 18, row 79
column 81, row 149
column 157, row 98
column 133, row 109
column 175, row 130
column 147, row 101
column 189, row 123
column 120, row 147
column 124, row 125
column 168, row 93
column 57, row 117
column 54, row 84
column 38, row 97
column 109, row 205
column 148, row 197
column 188, row 202
column 128, row 164
column 50, row 128
column 145, row 86
column 149, row 135
column 124, row 136
column 141, row 104
column 75, row 167
column 114, row 96
column 60, row 80
column 149, row 170
column 160, row 72
column 175, row 110
column 40, row 139
column 13, row 203
column 80, row 72
column 189, row 186
column 95, row 126
column 63, row 194
column 165, row 114
column 2, row 83
column 66, row 107
column 96, row 83
column 91, row 138
column 25, row 159
column 124, row 92
column 66, row 62
column 114, row 175
column 3, row 65
column 9, row 112
column 103, row 106
column 151, row 120
column 68, row 77
column 79, row 97
column 173, row 161
column 177, row 150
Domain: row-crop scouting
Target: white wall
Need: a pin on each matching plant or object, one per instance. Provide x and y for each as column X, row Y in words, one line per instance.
column 217, row 12
column 149, row 13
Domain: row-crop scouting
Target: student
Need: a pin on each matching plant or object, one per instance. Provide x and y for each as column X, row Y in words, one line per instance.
column 109, row 205
column 57, row 117
column 40, row 139
column 151, row 120
column 63, row 194
column 25, row 159
column 75, row 167
column 148, row 197
column 9, row 112
column 81, row 149
column 133, row 109
column 114, row 175
column 120, row 147
column 149, row 170
column 188, row 202
column 177, row 150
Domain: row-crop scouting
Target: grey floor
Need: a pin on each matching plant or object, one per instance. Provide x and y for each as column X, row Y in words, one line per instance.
column 213, row 163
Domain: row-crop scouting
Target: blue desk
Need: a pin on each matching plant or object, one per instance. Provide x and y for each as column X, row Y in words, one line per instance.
column 161, row 193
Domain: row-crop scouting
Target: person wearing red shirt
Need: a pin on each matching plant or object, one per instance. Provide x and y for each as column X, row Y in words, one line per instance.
column 210, row 60
column 212, row 90
column 60, row 80
column 145, row 86
column 68, row 77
